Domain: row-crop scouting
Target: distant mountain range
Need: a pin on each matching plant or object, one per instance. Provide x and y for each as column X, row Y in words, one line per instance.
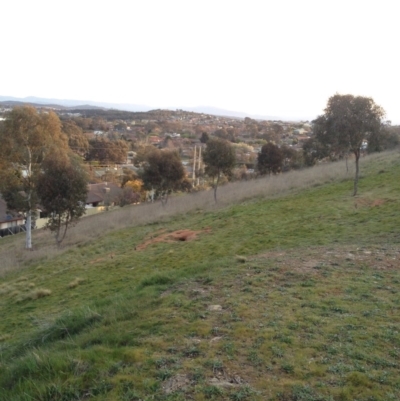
column 229, row 113
column 88, row 104
column 74, row 104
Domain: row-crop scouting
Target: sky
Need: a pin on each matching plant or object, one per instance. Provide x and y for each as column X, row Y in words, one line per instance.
column 280, row 58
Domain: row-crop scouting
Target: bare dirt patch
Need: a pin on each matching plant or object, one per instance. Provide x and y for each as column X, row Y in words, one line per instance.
column 315, row 258
column 307, row 267
column 176, row 383
column 363, row 202
column 378, row 202
column 182, row 382
column 179, row 235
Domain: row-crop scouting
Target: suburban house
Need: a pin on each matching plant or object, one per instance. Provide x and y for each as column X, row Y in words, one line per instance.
column 299, row 131
column 102, row 194
column 9, row 224
column 130, row 157
column 154, row 140
column 99, row 197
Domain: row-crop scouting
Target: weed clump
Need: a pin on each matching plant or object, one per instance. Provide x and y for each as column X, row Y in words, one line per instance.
column 241, row 259
column 34, row 295
column 39, row 293
column 74, row 283
column 157, row 279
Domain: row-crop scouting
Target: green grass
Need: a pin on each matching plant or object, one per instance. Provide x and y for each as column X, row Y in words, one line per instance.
column 294, row 297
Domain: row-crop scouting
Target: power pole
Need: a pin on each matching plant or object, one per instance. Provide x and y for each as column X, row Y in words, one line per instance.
column 194, row 167
column 198, row 167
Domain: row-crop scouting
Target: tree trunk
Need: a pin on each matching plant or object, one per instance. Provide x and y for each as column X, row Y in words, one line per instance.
column 59, row 240
column 164, row 199
column 28, row 226
column 357, row 154
column 194, row 168
column 215, row 188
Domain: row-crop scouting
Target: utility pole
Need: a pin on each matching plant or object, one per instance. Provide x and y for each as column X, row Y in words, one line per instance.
column 194, row 167
column 198, row 167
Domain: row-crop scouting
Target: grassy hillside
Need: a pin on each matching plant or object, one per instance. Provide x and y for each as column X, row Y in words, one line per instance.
column 287, row 290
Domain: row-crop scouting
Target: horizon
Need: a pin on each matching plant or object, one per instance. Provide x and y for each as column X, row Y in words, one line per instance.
column 284, row 60
column 71, row 103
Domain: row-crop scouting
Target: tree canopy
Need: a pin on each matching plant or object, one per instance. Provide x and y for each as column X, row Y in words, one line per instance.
column 219, row 158
column 270, row 159
column 204, row 137
column 314, row 150
column 106, row 151
column 62, row 188
column 77, row 141
column 347, row 122
column 164, row 173
column 292, row 159
column 27, row 138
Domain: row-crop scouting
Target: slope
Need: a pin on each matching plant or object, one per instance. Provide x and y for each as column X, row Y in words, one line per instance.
column 293, row 297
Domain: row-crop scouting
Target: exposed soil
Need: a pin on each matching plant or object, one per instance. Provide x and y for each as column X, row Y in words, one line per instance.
column 221, row 379
column 179, row 235
column 311, row 260
column 363, row 202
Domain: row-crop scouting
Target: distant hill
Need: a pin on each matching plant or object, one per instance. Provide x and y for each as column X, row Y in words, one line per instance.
column 229, row 113
column 88, row 104
column 75, row 104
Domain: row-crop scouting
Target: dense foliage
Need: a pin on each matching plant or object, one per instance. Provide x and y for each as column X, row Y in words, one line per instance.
column 270, row 159
column 164, row 173
column 219, row 158
column 27, row 139
column 348, row 121
column 62, row 187
column 106, row 151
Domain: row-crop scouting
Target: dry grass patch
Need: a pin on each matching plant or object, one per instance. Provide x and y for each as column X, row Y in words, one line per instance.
column 34, row 295
column 365, row 202
column 179, row 235
column 5, row 289
column 74, row 283
column 101, row 259
column 241, row 259
column 14, row 293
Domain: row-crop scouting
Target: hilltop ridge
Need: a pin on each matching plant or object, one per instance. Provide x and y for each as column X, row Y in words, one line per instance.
column 88, row 104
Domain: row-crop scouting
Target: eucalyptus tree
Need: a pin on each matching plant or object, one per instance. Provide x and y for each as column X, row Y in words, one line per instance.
column 219, row 158
column 348, row 121
column 27, row 138
column 270, row 159
column 77, row 140
column 163, row 172
column 62, row 187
